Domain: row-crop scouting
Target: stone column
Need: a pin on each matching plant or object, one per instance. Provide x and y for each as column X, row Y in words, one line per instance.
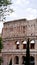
column 20, row 60
column 20, row 45
column 36, row 44
column 13, row 60
column 35, row 52
column 5, row 61
column 35, row 59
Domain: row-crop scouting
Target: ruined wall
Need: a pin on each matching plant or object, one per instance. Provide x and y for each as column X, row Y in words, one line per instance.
column 18, row 30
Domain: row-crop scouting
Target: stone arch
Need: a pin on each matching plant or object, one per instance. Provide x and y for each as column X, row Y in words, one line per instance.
column 32, row 44
column 10, row 62
column 32, row 41
column 32, row 60
column 17, row 44
column 24, row 44
column 23, row 59
column 16, row 60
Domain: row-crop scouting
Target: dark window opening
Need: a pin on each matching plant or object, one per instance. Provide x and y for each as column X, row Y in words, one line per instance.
column 17, row 46
column 23, row 29
column 32, row 61
column 32, row 46
column 10, row 63
column 24, row 46
column 16, row 60
column 23, row 59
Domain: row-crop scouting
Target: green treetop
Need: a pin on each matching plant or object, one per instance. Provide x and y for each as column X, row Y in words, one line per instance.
column 1, row 45
column 5, row 8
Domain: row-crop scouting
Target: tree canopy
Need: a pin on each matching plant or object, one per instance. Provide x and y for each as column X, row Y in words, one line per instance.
column 1, row 45
column 5, row 8
column 1, row 60
column 5, row 2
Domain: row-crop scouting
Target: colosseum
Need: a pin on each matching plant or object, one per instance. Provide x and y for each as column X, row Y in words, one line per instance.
column 15, row 34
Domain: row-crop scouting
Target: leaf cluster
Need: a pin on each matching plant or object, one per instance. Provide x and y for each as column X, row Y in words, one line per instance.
column 1, row 60
column 5, row 2
column 5, row 9
column 1, row 45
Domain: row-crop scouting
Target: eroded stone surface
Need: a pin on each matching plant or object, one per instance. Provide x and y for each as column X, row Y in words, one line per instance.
column 18, row 30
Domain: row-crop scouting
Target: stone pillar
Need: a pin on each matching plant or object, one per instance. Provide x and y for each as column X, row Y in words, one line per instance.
column 13, row 60
column 20, row 60
column 36, row 44
column 35, row 52
column 21, row 45
column 35, row 59
column 5, row 61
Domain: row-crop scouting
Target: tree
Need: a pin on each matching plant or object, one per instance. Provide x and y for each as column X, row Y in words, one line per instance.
column 27, row 53
column 1, row 46
column 1, row 60
column 5, row 8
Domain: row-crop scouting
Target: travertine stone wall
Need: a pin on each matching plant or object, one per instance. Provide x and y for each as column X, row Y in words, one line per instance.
column 21, row 27
column 18, row 30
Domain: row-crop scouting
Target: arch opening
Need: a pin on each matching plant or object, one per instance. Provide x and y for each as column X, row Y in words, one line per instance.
column 24, row 44
column 32, row 44
column 16, row 60
column 10, row 63
column 23, row 59
column 32, row 61
column 17, row 44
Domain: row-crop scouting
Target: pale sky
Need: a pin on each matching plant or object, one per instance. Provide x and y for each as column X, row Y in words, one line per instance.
column 22, row 9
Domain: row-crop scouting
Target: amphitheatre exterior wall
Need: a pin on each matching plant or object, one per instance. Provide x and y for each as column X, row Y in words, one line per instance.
column 18, row 30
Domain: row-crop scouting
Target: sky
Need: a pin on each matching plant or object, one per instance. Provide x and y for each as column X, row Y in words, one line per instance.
column 22, row 9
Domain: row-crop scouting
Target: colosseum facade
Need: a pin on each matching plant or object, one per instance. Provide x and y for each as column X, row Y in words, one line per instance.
column 15, row 34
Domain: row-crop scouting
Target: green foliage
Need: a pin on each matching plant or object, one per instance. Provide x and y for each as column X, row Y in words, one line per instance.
column 28, row 53
column 5, row 2
column 1, row 60
column 5, row 9
column 1, row 45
